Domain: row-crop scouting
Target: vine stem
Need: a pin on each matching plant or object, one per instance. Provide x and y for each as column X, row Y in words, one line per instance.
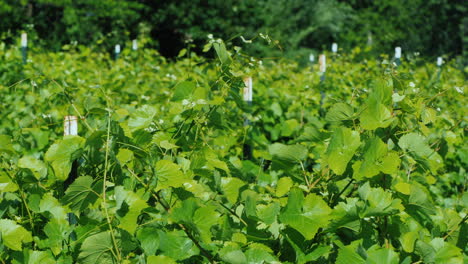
column 23, row 198
column 453, row 230
column 104, row 187
column 304, row 172
column 342, row 191
column 74, row 108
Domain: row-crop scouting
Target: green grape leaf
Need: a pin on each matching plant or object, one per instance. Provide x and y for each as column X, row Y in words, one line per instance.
column 125, row 157
column 416, row 146
column 183, row 90
column 288, row 127
column 377, row 255
column 302, row 258
column 230, row 187
column 205, row 218
column 305, row 215
column 6, row 185
column 283, row 186
column 13, row 235
column 169, row 175
column 184, row 212
column 446, row 252
column 6, row 144
column 41, row 257
column 133, row 203
column 268, row 213
column 339, row 112
column 375, row 115
column 349, row 255
column 62, row 153
column 232, row 254
column 142, row 118
column 286, row 156
column 343, row 145
column 403, row 187
column 159, row 260
column 97, row 248
column 50, row 204
column 376, row 159
column 222, row 53
column 379, row 202
column 149, row 239
column 37, row 167
column 81, row 193
column 382, row 91
column 259, row 254
column 177, row 245
column 56, row 233
column 408, row 240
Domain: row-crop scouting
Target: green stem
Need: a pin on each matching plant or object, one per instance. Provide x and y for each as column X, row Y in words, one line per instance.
column 104, row 187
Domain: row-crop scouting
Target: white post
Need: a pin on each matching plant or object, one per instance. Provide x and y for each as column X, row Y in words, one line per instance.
column 311, row 58
column 398, row 56
column 398, row 52
column 24, row 40
column 70, row 128
column 323, row 69
column 117, row 51
column 247, row 92
column 369, row 38
column 70, row 125
column 439, row 61
column 24, row 47
column 134, row 44
column 323, row 63
column 334, row 47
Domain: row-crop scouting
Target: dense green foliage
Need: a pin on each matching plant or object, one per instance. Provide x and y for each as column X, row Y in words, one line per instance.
column 432, row 27
column 373, row 174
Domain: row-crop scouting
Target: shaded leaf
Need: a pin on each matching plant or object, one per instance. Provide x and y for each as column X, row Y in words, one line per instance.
column 97, row 248
column 62, row 154
column 81, row 193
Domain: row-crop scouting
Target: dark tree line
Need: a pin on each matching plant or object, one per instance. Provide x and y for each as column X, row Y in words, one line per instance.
column 292, row 27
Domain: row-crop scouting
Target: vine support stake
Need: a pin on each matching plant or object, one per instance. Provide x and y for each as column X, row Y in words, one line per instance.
column 398, row 56
column 116, row 51
column 134, row 45
column 24, row 47
column 70, row 128
column 247, row 96
column 322, row 69
column 440, row 61
column 334, row 49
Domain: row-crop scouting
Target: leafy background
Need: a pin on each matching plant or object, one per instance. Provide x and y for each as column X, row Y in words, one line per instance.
column 432, row 27
column 367, row 166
